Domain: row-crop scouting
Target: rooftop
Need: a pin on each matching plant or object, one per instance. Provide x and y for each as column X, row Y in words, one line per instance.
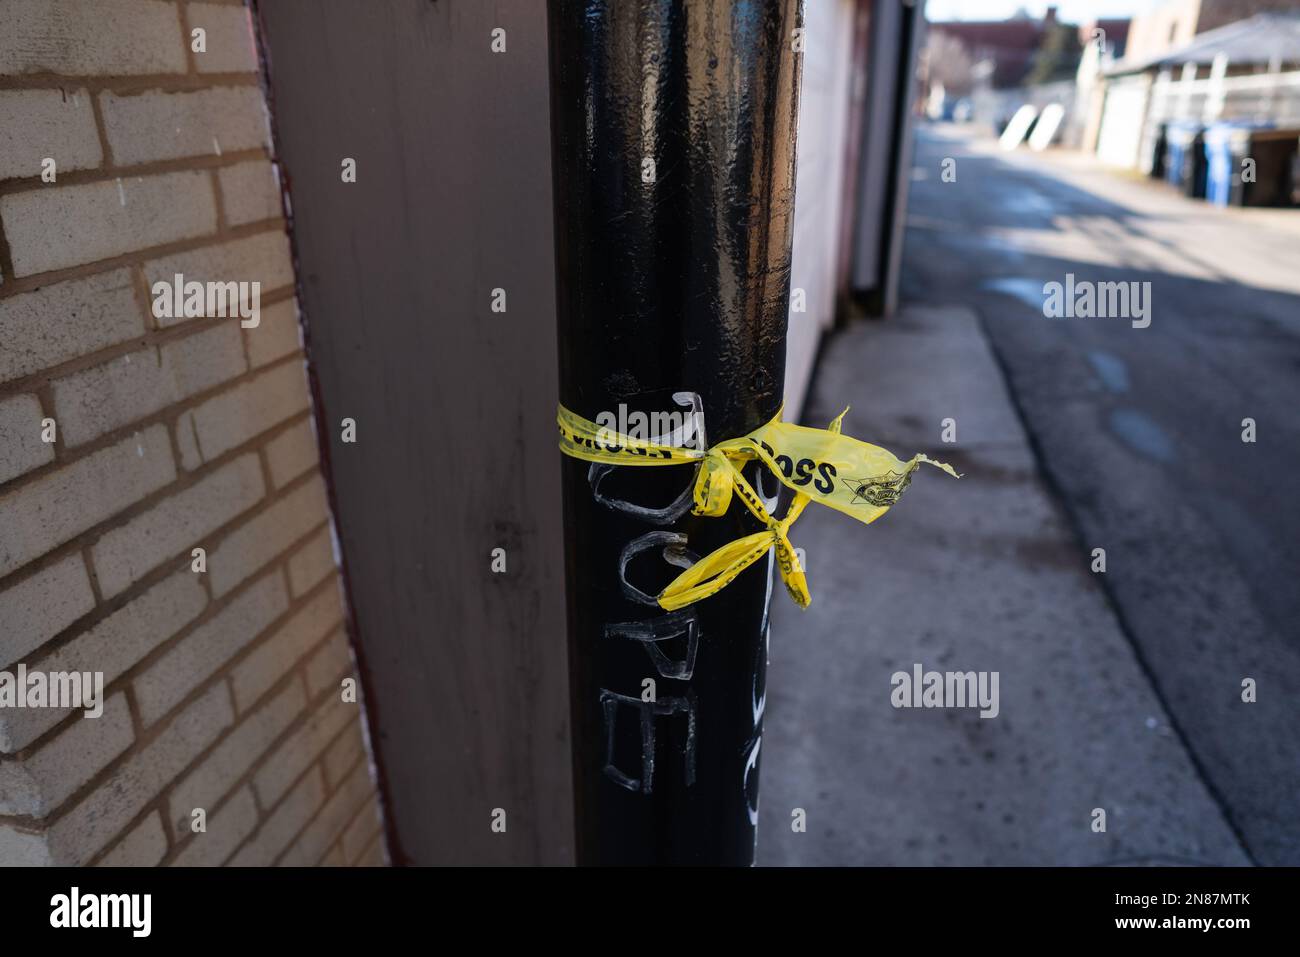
column 1260, row 39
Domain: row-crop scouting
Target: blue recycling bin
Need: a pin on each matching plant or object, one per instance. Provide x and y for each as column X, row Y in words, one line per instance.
column 1219, row 161
column 1185, row 157
column 1175, row 145
column 1226, row 145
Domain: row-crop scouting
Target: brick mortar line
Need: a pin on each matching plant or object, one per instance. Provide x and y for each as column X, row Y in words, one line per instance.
column 93, row 574
column 184, row 480
column 293, row 841
column 245, row 336
column 230, row 697
column 245, row 779
column 154, row 576
column 94, row 617
column 137, row 724
column 223, row 670
column 353, row 815
column 369, row 844
column 152, row 337
column 45, row 399
column 264, row 811
column 128, row 83
column 123, row 681
column 6, row 260
column 187, row 39
column 264, row 465
column 71, row 455
column 337, row 845
column 144, row 308
column 219, row 199
column 173, row 440
column 283, row 683
column 43, row 825
column 13, row 285
column 101, row 131
column 263, row 758
column 267, row 501
column 295, row 605
column 144, row 737
column 155, row 804
column 356, row 815
column 251, row 838
column 153, row 732
column 194, row 430
column 16, row 186
column 206, row 582
column 316, row 704
column 265, row 572
column 301, row 666
column 294, row 669
column 315, row 765
column 377, row 832
column 167, row 566
column 116, row 842
column 288, row 580
column 332, row 787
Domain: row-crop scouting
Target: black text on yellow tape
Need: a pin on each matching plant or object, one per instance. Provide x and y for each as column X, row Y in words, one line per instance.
column 820, row 465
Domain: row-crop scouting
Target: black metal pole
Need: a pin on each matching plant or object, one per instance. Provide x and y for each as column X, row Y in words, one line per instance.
column 673, row 148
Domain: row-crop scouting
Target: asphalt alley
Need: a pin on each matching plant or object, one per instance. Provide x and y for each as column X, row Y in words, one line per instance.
column 1119, row 691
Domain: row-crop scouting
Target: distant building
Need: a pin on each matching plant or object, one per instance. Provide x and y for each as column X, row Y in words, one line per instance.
column 1175, row 23
column 1245, row 70
column 1005, row 64
column 1104, row 42
column 1108, row 35
column 1010, row 46
column 1170, row 25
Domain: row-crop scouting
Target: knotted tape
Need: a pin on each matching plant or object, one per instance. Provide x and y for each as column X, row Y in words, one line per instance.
column 821, row 465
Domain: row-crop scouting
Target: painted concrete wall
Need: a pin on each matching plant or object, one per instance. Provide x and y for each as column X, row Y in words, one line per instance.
column 819, row 186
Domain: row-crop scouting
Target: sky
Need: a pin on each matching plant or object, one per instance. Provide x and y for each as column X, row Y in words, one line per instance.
column 1071, row 11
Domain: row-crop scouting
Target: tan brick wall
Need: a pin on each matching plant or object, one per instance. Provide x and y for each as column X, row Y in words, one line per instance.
column 222, row 688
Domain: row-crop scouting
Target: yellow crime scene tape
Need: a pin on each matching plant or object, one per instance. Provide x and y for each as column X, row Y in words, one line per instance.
column 820, row 465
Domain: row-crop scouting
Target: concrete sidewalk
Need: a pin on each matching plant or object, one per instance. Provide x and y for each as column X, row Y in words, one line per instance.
column 978, row 575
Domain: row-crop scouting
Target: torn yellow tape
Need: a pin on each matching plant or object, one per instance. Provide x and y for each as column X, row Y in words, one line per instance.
column 820, row 465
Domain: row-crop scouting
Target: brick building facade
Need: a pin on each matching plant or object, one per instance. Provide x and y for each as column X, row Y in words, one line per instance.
column 225, row 689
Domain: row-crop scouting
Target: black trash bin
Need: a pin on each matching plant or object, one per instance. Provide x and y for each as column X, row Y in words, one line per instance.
column 1274, row 152
column 1160, row 153
column 1266, row 180
column 1186, row 166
